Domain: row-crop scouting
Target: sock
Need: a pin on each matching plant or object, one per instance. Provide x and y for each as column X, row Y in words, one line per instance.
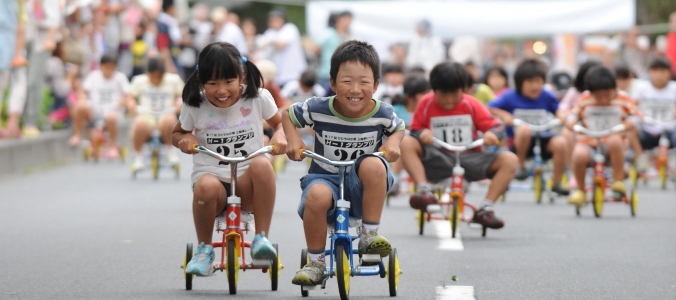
column 316, row 256
column 369, row 227
column 486, row 205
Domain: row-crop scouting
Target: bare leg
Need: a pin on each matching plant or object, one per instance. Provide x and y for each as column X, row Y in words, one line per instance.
column 411, row 151
column 257, row 189
column 318, row 201
column 373, row 175
column 504, row 166
column 209, row 198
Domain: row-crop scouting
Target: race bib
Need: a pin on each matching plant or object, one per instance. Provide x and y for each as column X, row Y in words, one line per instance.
column 599, row 118
column 659, row 110
column 453, row 130
column 532, row 116
column 348, row 146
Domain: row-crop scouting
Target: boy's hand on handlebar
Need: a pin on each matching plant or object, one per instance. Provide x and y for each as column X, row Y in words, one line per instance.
column 491, row 139
column 293, row 150
column 426, row 137
column 390, row 152
column 187, row 143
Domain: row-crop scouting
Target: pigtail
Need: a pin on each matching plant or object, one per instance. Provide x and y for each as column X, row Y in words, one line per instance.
column 254, row 79
column 191, row 91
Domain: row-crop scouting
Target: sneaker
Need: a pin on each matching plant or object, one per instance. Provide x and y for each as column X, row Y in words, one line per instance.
column 577, row 198
column 172, row 157
column 521, row 174
column 619, row 188
column 74, row 141
column 643, row 163
column 312, row 274
column 31, row 132
column 202, row 261
column 372, row 243
column 262, row 249
column 138, row 163
column 561, row 191
column 422, row 197
column 486, row 217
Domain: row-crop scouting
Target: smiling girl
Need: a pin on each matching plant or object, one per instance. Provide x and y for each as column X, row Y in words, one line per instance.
column 224, row 111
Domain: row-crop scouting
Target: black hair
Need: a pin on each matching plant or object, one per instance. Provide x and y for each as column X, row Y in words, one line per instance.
column 217, row 61
column 582, row 72
column 599, row 78
column 660, row 62
column 500, row 70
column 155, row 64
column 308, row 78
column 108, row 58
column 356, row 51
column 391, row 68
column 622, row 71
column 448, row 77
column 415, row 84
column 333, row 18
column 167, row 4
column 527, row 69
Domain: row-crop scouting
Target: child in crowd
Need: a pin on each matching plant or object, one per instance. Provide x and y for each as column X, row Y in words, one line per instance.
column 496, row 78
column 350, row 115
column 393, row 83
column 415, row 87
column 656, row 99
column 599, row 110
column 156, row 103
column 224, row 102
column 304, row 88
column 448, row 110
column 107, row 90
column 531, row 103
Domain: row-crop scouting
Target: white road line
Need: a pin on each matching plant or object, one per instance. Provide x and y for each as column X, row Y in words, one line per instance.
column 443, row 231
column 455, row 292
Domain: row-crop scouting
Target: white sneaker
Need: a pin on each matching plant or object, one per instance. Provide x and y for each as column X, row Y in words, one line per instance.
column 172, row 157
column 138, row 163
column 643, row 163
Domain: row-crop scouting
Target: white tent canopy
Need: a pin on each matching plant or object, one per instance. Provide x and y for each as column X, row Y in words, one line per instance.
column 384, row 22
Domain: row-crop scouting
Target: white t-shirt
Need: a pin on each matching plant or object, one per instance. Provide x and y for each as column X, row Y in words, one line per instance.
column 293, row 92
column 233, row 131
column 656, row 103
column 290, row 60
column 232, row 34
column 157, row 99
column 105, row 94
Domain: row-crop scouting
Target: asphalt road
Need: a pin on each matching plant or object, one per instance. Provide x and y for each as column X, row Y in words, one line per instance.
column 88, row 231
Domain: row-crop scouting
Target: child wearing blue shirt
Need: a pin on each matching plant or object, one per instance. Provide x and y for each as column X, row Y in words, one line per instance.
column 531, row 103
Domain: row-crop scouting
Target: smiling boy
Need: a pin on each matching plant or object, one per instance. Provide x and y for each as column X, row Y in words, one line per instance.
column 348, row 126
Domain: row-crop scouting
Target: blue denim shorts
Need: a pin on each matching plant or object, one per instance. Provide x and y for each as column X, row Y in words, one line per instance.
column 354, row 189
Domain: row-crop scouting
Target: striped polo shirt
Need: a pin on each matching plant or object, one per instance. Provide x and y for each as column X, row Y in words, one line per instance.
column 341, row 138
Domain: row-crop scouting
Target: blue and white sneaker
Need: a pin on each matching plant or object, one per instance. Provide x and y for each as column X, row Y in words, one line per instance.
column 202, row 261
column 262, row 249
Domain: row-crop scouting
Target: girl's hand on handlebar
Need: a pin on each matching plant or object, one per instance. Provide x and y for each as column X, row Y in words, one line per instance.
column 293, row 150
column 491, row 139
column 187, row 143
column 279, row 143
column 426, row 137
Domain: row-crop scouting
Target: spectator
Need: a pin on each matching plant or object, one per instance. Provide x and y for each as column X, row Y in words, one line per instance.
column 304, row 88
column 229, row 32
column 426, row 50
column 283, row 40
column 337, row 33
column 45, row 18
